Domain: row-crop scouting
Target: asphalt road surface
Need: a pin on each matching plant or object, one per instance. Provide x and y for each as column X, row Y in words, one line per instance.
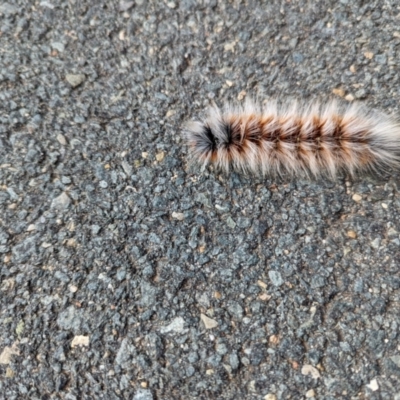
column 127, row 274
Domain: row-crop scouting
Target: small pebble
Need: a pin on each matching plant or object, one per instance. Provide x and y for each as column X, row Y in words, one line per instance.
column 61, row 202
column 339, row 92
column 8, row 352
column 209, row 371
column 376, row 243
column 61, row 139
column 126, row 5
column 262, row 284
column 360, row 94
column 274, row 339
column 352, row 234
column 73, row 289
column 242, row 95
column 160, row 156
column 310, row 393
column 208, row 322
column 373, row 385
column 80, row 340
column 127, row 168
column 265, row 296
column 369, row 55
column 75, row 79
column 310, row 370
column 31, row 228
column 179, row 216
column 9, row 373
column 230, row 47
column 176, row 325
column 170, row 113
column 276, row 278
column 230, row 222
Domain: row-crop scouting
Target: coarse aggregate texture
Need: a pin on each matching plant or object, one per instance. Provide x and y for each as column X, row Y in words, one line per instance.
column 127, row 275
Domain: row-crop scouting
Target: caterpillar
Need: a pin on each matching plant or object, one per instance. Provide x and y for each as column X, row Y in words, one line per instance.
column 295, row 139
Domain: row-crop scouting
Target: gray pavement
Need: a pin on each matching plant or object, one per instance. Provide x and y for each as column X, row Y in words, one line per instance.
column 124, row 273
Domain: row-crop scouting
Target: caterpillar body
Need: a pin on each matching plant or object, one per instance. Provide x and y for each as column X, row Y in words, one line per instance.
column 296, row 139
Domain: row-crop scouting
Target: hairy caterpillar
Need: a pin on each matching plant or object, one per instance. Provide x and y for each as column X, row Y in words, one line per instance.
column 292, row 138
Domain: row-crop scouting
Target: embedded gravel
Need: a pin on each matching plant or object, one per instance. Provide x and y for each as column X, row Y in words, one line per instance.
column 127, row 274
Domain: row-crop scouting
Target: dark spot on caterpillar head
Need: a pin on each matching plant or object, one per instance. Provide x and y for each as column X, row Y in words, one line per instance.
column 228, row 134
column 207, row 132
